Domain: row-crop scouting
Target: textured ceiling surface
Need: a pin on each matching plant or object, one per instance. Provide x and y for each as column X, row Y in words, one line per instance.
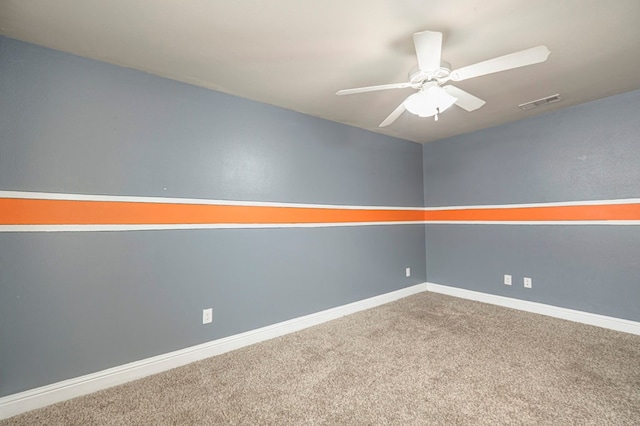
column 297, row 54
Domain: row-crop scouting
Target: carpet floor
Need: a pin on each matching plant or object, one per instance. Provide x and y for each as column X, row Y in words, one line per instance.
column 426, row 359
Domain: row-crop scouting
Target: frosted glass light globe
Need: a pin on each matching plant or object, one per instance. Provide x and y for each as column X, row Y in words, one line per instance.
column 430, row 102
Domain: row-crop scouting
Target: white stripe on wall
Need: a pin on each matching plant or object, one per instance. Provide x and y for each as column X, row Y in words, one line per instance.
column 160, row 227
column 550, row 204
column 205, row 201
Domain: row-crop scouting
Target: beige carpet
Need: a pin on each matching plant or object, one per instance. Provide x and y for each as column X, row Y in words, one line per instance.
column 427, row 359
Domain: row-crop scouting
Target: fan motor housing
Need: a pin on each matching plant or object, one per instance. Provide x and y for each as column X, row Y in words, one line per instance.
column 418, row 77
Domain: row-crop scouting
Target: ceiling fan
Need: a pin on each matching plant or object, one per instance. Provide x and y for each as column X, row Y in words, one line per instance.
column 430, row 78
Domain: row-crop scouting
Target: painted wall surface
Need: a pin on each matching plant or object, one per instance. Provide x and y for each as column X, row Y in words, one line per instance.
column 583, row 153
column 73, row 303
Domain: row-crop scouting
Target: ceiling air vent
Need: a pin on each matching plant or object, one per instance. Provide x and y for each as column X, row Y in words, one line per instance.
column 540, row 102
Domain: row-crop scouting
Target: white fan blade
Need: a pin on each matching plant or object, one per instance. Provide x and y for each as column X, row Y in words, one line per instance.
column 514, row 60
column 465, row 100
column 393, row 116
column 373, row 88
column 428, row 49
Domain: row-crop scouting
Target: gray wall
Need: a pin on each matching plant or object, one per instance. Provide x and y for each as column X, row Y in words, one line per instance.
column 74, row 303
column 588, row 152
column 78, row 302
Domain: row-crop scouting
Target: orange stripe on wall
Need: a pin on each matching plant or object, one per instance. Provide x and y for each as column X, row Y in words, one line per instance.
column 15, row 211
column 21, row 211
column 539, row 214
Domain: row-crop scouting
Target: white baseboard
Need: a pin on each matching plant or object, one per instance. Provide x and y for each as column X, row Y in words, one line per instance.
column 604, row 321
column 46, row 395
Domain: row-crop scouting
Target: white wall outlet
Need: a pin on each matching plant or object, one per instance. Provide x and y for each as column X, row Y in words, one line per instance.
column 507, row 279
column 527, row 282
column 207, row 316
column 407, row 272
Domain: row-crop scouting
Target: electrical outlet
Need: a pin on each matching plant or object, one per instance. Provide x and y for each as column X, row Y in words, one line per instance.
column 527, row 282
column 507, row 279
column 207, row 316
column 407, row 272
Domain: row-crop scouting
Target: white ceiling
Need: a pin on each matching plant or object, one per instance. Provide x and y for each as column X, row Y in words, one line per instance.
column 297, row 53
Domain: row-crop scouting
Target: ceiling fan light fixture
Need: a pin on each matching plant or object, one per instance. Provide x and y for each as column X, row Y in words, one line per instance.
column 429, row 102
